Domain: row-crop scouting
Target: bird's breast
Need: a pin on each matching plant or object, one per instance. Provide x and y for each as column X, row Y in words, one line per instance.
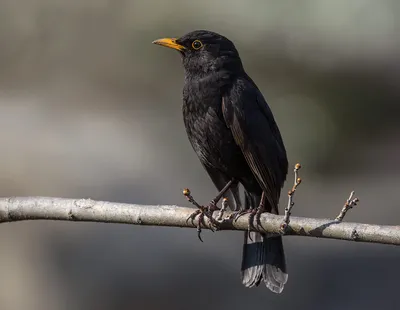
column 211, row 139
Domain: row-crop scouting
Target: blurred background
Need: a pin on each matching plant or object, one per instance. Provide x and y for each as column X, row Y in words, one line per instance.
column 90, row 108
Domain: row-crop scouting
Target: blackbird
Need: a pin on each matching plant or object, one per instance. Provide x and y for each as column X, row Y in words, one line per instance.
column 233, row 132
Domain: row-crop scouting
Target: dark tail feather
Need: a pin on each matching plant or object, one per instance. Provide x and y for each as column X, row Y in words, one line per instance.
column 263, row 258
column 274, row 273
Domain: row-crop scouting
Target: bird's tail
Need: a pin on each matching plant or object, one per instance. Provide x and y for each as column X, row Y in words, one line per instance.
column 263, row 258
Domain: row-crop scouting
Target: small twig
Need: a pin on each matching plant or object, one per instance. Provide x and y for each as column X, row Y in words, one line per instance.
column 188, row 195
column 223, row 209
column 288, row 209
column 349, row 204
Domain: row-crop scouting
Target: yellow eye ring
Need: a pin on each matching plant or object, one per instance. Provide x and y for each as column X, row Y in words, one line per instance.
column 197, row 44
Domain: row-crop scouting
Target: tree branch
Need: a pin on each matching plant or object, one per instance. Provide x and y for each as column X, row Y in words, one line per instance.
column 87, row 210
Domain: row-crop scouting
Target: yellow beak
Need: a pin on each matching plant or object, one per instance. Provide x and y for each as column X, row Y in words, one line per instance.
column 169, row 42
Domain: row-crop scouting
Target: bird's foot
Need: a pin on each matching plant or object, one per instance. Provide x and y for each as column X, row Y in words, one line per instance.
column 209, row 211
column 202, row 212
column 250, row 224
column 260, row 209
column 255, row 215
column 192, row 217
column 237, row 214
column 200, row 221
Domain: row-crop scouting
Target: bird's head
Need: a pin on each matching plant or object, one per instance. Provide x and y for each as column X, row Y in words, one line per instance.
column 204, row 51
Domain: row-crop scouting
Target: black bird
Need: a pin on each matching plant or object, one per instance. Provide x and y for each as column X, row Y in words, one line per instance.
column 234, row 134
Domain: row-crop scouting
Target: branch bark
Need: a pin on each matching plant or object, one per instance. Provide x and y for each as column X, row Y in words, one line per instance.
column 86, row 210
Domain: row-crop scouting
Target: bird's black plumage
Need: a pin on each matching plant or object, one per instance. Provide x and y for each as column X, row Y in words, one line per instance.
column 233, row 132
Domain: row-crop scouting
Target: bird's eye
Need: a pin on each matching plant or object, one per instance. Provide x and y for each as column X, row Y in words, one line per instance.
column 197, row 44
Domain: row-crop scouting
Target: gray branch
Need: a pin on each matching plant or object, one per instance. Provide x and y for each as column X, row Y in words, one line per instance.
column 87, row 210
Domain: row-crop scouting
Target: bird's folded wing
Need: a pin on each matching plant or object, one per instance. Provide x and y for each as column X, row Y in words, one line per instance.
column 249, row 118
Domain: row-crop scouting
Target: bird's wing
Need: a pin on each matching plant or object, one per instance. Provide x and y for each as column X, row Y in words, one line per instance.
column 254, row 129
column 220, row 180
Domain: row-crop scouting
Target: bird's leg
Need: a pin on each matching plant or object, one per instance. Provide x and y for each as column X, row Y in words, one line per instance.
column 242, row 211
column 206, row 211
column 212, row 205
column 260, row 209
column 235, row 215
column 255, row 214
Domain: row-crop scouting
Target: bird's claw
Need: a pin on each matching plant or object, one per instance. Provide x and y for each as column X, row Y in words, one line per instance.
column 251, row 212
column 250, row 224
column 237, row 214
column 200, row 221
column 260, row 210
column 192, row 216
column 202, row 212
column 209, row 210
column 199, row 233
column 254, row 214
